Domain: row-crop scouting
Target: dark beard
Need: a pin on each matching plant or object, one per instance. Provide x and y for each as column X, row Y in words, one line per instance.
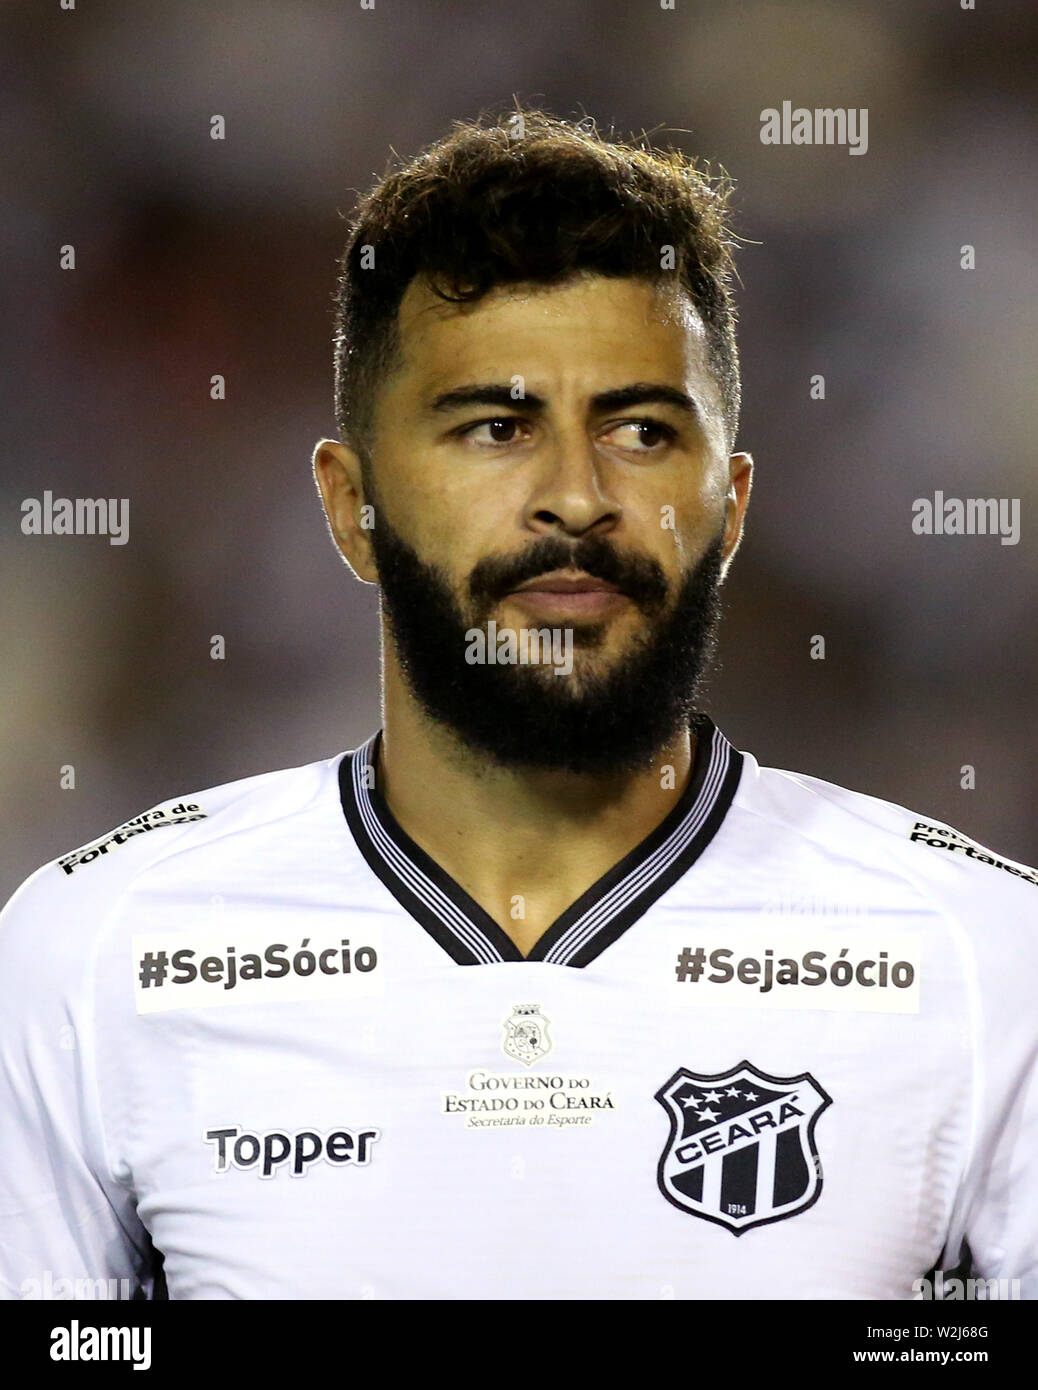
column 527, row 716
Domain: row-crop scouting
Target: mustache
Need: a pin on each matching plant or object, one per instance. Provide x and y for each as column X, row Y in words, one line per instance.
column 639, row 577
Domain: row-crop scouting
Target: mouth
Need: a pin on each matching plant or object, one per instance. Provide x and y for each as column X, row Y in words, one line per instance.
column 568, row 594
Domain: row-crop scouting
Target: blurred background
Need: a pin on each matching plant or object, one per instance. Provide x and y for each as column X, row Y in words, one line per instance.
column 196, row 257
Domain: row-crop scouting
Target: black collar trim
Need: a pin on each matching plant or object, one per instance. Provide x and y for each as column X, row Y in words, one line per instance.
column 598, row 918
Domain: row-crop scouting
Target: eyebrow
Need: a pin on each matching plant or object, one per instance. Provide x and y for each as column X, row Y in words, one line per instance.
column 620, row 398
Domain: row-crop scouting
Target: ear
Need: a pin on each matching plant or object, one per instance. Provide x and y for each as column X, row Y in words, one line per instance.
column 740, row 476
column 338, row 473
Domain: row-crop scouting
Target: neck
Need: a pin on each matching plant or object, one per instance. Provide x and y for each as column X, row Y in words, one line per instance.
column 523, row 842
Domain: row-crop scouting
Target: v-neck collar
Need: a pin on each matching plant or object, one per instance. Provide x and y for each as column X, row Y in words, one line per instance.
column 470, row 936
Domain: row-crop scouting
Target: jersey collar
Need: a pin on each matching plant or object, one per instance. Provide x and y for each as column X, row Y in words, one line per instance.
column 598, row 917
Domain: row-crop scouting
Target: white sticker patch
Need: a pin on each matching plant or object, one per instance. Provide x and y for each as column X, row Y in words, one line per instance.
column 798, row 970
column 202, row 970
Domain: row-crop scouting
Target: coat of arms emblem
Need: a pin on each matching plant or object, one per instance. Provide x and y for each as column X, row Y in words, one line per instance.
column 526, row 1034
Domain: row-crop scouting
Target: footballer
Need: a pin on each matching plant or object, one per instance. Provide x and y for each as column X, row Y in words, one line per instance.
column 546, row 990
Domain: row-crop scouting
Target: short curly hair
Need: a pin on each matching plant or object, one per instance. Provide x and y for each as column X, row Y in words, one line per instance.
column 527, row 197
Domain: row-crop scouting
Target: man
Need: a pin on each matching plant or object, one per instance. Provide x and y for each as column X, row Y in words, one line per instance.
column 518, row 999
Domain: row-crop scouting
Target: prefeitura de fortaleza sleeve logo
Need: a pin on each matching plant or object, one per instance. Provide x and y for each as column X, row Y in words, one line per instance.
column 741, row 1150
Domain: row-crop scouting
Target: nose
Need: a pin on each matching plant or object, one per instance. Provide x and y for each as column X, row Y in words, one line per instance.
column 569, row 493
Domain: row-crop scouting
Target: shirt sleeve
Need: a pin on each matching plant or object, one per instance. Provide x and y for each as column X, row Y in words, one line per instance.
column 996, row 1214
column 1002, row 1231
column 66, row 1222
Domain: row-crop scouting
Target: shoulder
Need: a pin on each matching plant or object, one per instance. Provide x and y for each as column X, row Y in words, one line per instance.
column 985, row 891
column 54, row 917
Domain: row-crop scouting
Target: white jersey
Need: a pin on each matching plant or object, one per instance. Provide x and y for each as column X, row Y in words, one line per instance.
column 786, row 1048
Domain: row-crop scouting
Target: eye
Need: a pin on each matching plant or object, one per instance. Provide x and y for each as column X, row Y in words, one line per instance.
column 643, row 436
column 500, row 429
